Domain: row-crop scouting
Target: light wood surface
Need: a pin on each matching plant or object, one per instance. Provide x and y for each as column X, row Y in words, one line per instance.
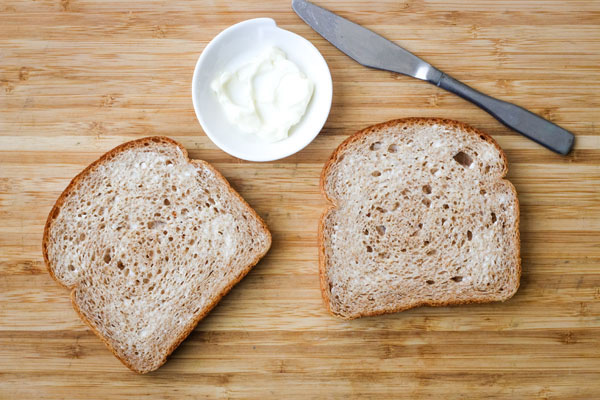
column 80, row 77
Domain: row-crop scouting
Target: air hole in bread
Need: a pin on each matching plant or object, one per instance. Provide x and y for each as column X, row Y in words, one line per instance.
column 469, row 235
column 381, row 229
column 375, row 146
column 366, row 232
column 433, row 171
column 482, row 191
column 427, row 189
column 427, row 202
column 107, row 257
column 445, row 206
column 155, row 224
column 457, row 278
column 169, row 162
column 463, row 159
column 392, row 148
column 494, row 218
column 184, row 211
column 381, row 210
column 71, row 267
column 369, row 249
column 443, row 220
column 430, row 282
column 487, row 169
column 376, row 173
column 167, row 202
column 431, row 252
column 395, row 206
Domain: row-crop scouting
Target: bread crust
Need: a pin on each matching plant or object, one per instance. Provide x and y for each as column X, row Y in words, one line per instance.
column 335, row 157
column 105, row 158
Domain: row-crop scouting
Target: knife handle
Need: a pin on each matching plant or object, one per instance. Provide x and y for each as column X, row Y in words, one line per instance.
column 525, row 122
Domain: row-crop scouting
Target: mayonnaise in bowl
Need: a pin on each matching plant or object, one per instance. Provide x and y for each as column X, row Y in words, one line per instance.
column 261, row 93
column 266, row 96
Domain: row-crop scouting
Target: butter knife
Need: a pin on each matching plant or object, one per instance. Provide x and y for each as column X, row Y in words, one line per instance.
column 374, row 51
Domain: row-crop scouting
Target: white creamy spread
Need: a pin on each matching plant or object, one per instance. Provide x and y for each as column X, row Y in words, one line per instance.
column 265, row 97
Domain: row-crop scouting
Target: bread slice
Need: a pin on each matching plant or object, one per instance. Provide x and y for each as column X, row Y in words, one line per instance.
column 421, row 215
column 149, row 241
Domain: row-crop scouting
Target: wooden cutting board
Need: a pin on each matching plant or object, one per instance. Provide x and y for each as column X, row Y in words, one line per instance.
column 80, row 77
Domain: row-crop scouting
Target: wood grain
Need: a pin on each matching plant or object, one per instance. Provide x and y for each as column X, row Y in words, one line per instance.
column 80, row 77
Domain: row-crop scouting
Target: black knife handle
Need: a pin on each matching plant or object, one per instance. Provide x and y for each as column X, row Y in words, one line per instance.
column 525, row 122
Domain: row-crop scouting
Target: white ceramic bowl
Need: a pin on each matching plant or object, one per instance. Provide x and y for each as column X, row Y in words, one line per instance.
column 238, row 44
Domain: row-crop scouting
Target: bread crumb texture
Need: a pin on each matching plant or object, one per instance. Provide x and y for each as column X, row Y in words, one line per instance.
column 421, row 216
column 149, row 241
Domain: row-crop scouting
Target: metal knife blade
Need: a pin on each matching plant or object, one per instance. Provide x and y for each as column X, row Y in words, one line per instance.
column 363, row 45
column 375, row 51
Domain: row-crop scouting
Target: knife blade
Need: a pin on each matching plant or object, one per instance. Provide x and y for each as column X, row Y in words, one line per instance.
column 374, row 51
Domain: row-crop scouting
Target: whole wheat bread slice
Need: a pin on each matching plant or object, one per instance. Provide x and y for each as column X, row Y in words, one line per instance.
column 149, row 241
column 420, row 215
